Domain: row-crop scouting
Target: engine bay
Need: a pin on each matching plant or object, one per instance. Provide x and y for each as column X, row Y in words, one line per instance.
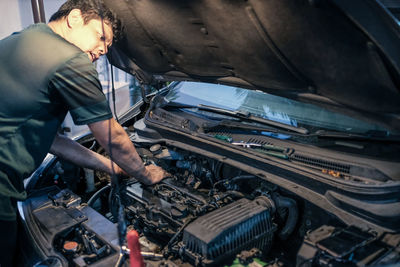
column 206, row 213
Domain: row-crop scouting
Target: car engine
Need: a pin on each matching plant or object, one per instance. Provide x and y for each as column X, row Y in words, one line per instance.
column 210, row 232
column 194, row 216
column 205, row 213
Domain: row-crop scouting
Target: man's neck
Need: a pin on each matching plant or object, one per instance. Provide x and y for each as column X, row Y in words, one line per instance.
column 58, row 27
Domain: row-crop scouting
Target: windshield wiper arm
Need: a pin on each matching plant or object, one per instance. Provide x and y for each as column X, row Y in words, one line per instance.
column 355, row 136
column 243, row 115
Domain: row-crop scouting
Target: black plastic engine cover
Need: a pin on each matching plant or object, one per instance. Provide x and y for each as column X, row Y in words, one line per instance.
column 222, row 233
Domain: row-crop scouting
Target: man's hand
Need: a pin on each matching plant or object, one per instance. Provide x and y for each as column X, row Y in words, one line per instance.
column 156, row 174
column 124, row 153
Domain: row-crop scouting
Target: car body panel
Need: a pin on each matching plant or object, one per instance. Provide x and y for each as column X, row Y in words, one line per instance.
column 340, row 54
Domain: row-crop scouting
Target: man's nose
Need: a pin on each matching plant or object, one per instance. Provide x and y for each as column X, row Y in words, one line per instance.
column 103, row 49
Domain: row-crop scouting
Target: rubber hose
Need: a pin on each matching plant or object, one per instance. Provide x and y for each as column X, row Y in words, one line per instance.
column 234, row 193
column 234, row 179
column 293, row 214
column 111, row 202
column 97, row 195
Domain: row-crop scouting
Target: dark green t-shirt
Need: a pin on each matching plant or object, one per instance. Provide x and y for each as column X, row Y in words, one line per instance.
column 42, row 77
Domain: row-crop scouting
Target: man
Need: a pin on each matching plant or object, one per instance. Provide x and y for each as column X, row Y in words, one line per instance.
column 45, row 71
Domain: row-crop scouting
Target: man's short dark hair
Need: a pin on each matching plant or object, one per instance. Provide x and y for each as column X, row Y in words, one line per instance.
column 90, row 9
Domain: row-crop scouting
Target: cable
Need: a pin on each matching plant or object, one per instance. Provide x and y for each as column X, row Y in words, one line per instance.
column 114, row 178
column 113, row 90
column 172, row 240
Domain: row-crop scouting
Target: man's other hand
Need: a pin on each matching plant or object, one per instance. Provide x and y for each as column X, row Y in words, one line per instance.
column 156, row 174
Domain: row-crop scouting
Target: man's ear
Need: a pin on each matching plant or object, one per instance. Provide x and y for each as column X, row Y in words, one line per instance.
column 74, row 18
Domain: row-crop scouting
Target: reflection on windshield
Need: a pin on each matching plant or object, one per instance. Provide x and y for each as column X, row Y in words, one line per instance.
column 268, row 106
column 279, row 116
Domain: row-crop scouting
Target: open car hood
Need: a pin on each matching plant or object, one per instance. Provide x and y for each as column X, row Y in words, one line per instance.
column 341, row 54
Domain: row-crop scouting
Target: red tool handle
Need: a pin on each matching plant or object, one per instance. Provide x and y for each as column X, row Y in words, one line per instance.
column 135, row 257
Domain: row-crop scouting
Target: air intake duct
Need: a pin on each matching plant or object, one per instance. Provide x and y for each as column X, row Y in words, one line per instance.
column 223, row 233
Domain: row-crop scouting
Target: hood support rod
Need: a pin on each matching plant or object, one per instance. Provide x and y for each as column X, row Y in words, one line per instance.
column 38, row 11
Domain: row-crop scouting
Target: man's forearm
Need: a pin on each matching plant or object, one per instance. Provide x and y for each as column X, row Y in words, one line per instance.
column 120, row 148
column 73, row 152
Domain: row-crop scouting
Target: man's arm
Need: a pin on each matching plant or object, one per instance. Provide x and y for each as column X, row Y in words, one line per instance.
column 123, row 151
column 74, row 152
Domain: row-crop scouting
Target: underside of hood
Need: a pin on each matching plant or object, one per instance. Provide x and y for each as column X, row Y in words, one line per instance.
column 341, row 54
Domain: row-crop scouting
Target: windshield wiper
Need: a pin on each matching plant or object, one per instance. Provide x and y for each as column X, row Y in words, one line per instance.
column 244, row 115
column 373, row 136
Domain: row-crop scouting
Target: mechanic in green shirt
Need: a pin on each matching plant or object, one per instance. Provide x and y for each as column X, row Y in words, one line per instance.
column 46, row 71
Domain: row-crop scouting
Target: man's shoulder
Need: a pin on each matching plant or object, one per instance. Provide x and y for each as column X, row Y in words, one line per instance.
column 40, row 27
column 39, row 43
column 45, row 42
column 39, row 50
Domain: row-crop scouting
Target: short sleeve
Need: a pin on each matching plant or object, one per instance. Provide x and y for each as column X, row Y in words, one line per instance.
column 78, row 88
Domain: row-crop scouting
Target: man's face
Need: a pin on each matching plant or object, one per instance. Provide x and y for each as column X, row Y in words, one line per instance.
column 89, row 37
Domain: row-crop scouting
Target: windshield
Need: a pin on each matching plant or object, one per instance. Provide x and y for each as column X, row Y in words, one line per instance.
column 268, row 106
